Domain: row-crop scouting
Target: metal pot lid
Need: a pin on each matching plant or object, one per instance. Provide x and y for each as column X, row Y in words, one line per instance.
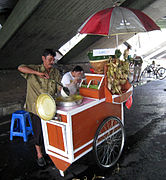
column 45, row 106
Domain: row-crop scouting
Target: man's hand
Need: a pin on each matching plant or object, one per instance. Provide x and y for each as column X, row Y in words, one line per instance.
column 43, row 75
column 76, row 80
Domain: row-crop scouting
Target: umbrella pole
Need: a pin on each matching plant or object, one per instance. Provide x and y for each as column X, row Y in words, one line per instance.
column 139, row 41
column 116, row 40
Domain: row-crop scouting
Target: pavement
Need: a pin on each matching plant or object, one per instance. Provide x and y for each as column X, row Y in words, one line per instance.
column 12, row 91
column 143, row 157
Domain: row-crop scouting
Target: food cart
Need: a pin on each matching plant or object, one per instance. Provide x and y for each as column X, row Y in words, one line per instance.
column 94, row 122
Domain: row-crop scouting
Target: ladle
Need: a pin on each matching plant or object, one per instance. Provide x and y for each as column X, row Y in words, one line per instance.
column 65, row 89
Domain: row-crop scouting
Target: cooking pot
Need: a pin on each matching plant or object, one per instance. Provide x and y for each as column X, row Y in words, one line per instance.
column 71, row 100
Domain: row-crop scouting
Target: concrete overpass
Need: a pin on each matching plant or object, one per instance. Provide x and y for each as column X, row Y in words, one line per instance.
column 30, row 26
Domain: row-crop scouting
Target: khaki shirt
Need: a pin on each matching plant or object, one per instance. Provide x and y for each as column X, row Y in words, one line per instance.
column 125, row 54
column 37, row 85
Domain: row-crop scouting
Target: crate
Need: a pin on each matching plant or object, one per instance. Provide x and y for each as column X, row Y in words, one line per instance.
column 93, row 87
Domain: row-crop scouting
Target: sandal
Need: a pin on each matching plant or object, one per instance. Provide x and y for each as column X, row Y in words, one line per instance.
column 41, row 162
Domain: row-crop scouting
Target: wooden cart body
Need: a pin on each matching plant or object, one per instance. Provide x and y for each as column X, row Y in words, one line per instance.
column 70, row 135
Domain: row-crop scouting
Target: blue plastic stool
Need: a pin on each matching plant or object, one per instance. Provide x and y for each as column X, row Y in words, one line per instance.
column 21, row 129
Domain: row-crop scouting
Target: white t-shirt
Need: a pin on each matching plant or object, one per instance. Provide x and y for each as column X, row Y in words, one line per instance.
column 67, row 79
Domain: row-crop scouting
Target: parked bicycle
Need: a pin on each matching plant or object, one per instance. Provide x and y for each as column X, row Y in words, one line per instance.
column 155, row 72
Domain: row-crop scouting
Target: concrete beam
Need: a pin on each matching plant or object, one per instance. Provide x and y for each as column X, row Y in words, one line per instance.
column 3, row 17
column 138, row 4
column 18, row 16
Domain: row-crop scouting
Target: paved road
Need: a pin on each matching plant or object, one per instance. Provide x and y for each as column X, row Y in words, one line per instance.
column 143, row 158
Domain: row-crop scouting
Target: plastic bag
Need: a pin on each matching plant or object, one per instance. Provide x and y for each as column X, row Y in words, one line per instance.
column 129, row 102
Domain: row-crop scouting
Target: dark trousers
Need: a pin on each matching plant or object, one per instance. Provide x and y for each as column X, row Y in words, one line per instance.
column 37, row 129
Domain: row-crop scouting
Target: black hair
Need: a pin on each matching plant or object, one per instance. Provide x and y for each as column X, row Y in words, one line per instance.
column 77, row 69
column 47, row 52
column 129, row 47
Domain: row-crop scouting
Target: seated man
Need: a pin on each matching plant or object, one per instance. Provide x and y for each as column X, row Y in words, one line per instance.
column 72, row 79
column 153, row 64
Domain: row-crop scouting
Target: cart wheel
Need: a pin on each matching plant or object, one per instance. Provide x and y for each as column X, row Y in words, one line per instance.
column 108, row 142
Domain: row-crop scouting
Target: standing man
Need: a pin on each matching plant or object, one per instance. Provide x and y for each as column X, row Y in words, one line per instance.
column 72, row 79
column 137, row 67
column 39, row 80
column 126, row 53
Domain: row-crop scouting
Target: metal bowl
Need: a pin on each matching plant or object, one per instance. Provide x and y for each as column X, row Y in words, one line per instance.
column 72, row 100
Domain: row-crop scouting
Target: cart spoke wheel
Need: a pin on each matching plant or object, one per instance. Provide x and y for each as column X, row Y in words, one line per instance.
column 161, row 73
column 108, row 142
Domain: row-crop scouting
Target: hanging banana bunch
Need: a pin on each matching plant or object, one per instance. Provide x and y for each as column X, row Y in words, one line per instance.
column 117, row 75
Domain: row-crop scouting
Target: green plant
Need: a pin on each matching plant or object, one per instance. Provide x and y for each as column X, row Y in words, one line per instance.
column 117, row 53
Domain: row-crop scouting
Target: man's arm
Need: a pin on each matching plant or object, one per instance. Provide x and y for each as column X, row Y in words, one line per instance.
column 27, row 70
column 66, row 82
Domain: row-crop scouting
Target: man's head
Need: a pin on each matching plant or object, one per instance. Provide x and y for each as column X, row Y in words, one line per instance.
column 77, row 71
column 48, row 58
column 153, row 62
column 128, row 47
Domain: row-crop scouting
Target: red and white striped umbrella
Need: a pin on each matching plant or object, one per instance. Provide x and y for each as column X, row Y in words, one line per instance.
column 117, row 20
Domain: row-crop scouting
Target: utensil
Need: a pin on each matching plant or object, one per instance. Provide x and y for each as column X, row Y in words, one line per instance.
column 65, row 89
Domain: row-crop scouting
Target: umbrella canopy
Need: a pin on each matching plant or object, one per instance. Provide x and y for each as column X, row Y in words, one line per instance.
column 117, row 20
